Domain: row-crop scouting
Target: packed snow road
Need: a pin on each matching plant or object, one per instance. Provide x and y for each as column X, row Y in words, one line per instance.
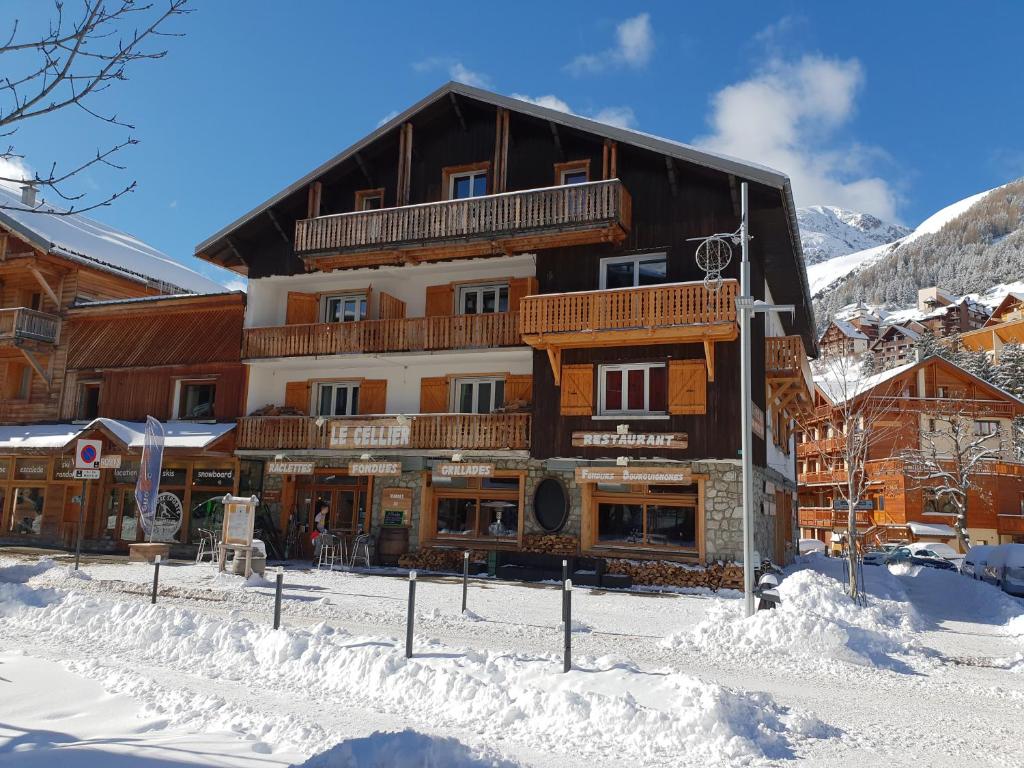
column 929, row 672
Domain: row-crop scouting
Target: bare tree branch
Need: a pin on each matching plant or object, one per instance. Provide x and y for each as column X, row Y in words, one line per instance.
column 74, row 61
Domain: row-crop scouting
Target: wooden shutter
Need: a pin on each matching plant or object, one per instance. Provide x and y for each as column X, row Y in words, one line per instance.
column 687, row 387
column 577, row 390
column 519, row 389
column 373, row 395
column 518, row 288
column 434, row 394
column 302, row 308
column 390, row 307
column 440, row 301
column 296, row 395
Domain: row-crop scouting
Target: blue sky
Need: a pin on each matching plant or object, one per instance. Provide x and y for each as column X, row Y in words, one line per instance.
column 895, row 108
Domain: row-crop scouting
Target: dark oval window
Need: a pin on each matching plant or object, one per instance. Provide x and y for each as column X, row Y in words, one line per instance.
column 550, row 505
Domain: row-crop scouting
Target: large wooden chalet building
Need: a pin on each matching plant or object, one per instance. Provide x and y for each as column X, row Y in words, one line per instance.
column 902, row 505
column 484, row 322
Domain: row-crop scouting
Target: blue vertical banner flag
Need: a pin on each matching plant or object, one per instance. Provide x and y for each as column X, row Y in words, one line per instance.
column 147, row 488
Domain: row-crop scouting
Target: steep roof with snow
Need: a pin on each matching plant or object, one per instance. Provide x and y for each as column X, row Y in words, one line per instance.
column 87, row 241
column 848, row 329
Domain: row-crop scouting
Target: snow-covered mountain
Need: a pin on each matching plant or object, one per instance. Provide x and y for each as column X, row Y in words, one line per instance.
column 974, row 246
column 827, row 232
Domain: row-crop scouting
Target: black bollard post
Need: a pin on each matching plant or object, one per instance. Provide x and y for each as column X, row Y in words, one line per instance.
column 277, row 597
column 410, row 619
column 567, row 621
column 156, row 576
column 465, row 578
column 565, row 578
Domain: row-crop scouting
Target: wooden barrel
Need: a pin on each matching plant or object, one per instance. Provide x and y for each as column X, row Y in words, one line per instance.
column 392, row 542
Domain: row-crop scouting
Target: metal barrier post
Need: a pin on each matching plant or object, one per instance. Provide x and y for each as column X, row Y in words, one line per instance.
column 277, row 597
column 410, row 618
column 465, row 578
column 156, row 576
column 567, row 622
column 565, row 578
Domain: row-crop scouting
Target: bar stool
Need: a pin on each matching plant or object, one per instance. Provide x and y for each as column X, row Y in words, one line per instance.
column 328, row 551
column 207, row 546
column 360, row 550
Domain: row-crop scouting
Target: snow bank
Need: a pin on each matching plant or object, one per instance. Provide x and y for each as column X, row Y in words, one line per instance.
column 816, row 622
column 496, row 695
column 405, row 749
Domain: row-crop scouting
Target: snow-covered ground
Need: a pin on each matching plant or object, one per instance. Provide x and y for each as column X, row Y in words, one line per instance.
column 930, row 672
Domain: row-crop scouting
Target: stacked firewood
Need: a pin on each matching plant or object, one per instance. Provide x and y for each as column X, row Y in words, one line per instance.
column 716, row 575
column 439, row 559
column 550, row 544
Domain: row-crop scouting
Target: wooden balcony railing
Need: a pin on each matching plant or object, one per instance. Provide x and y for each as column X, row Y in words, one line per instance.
column 784, row 356
column 819, row 478
column 657, row 309
column 594, row 206
column 1009, row 525
column 826, row 517
column 412, row 334
column 23, row 323
column 446, row 431
column 818, row 447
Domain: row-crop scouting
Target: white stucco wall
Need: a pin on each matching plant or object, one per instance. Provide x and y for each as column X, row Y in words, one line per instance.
column 268, row 296
column 267, row 378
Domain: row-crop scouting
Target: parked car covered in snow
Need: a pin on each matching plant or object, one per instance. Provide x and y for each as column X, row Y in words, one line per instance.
column 936, row 549
column 975, row 559
column 1005, row 568
column 876, row 557
column 810, row 546
column 924, row 557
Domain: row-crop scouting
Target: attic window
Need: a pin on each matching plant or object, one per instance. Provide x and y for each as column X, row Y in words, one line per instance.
column 463, row 181
column 574, row 172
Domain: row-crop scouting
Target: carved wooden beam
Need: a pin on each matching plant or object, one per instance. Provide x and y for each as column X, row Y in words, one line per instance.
column 670, row 168
column 555, row 360
column 313, row 200
column 36, row 366
column 277, row 226
column 361, row 162
column 709, row 355
column 46, row 286
column 458, row 111
column 558, row 141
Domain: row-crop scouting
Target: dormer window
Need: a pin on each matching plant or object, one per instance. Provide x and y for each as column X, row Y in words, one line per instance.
column 370, row 199
column 574, row 172
column 465, row 181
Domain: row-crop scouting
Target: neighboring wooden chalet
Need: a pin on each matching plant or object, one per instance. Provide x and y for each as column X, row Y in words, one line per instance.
column 843, row 338
column 69, row 356
column 895, row 345
column 901, row 507
column 1005, row 326
column 461, row 327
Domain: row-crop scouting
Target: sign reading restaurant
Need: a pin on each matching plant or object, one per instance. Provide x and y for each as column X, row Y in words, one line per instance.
column 623, row 475
column 667, row 440
column 379, row 433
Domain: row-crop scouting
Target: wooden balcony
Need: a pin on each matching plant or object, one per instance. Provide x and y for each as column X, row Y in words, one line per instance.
column 818, row 447
column 784, row 356
column 658, row 314
column 446, row 431
column 822, row 478
column 23, row 324
column 953, row 405
column 788, row 375
column 598, row 211
column 412, row 334
column 1010, row 525
column 826, row 517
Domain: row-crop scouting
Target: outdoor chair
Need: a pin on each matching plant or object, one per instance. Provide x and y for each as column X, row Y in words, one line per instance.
column 360, row 550
column 207, row 546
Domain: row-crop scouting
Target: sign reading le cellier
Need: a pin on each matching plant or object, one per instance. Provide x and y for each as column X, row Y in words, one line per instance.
column 657, row 475
column 378, row 433
column 667, row 440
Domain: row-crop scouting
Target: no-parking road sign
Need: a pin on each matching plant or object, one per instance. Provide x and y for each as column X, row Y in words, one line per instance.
column 87, row 454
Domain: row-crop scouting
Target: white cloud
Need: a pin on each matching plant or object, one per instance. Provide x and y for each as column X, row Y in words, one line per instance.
column 634, row 44
column 784, row 116
column 621, row 117
column 12, row 169
column 388, row 117
column 456, row 71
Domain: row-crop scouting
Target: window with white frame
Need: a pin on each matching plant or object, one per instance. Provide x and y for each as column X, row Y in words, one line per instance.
column 194, row 399
column 337, row 398
column 483, row 299
column 346, row 308
column 983, row 428
column 467, row 184
column 478, row 395
column 634, row 388
column 634, row 271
